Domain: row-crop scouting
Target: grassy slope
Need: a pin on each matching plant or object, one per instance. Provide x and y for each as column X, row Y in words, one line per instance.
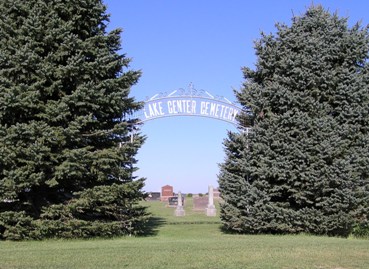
column 193, row 241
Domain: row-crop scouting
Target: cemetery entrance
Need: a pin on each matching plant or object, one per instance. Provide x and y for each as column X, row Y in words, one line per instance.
column 183, row 147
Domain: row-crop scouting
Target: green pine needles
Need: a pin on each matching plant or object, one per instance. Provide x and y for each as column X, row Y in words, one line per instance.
column 305, row 165
column 64, row 95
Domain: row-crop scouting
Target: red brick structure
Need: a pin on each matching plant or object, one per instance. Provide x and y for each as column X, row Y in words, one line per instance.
column 166, row 192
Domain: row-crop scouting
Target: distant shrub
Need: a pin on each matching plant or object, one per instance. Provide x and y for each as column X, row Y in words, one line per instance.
column 361, row 230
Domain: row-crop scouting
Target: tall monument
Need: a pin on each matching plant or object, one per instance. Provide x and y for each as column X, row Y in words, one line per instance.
column 179, row 212
column 211, row 211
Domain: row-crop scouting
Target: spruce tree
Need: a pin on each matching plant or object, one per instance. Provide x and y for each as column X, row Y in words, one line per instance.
column 64, row 101
column 304, row 167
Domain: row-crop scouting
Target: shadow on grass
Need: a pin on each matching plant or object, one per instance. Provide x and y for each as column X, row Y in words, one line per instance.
column 152, row 226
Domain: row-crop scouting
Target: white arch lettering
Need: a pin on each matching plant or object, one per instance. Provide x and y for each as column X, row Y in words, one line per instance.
column 181, row 103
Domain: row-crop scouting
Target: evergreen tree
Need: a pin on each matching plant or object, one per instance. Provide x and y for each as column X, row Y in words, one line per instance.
column 304, row 167
column 64, row 101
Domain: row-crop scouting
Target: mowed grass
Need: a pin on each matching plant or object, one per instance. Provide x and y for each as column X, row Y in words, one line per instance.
column 192, row 241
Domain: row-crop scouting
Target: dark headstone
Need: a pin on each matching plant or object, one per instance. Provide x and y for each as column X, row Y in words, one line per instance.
column 173, row 201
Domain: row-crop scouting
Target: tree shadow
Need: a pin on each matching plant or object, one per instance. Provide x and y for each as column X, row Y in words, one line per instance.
column 151, row 227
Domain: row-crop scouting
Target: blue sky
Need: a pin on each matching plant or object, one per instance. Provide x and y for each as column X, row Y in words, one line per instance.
column 206, row 43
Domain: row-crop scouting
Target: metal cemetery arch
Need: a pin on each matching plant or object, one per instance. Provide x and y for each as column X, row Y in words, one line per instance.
column 188, row 102
column 191, row 102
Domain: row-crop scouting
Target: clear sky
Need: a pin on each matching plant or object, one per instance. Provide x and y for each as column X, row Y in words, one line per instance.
column 204, row 42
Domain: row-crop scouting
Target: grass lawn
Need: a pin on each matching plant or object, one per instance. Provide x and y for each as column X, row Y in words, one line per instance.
column 192, row 241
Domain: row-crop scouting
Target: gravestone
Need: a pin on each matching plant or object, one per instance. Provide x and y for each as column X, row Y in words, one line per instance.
column 166, row 192
column 216, row 194
column 210, row 209
column 173, row 201
column 179, row 212
column 200, row 203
